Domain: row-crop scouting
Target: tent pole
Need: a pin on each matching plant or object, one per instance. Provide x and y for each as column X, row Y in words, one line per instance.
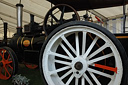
column 124, row 16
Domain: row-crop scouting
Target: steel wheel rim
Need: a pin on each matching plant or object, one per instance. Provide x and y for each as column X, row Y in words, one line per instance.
column 49, row 68
column 6, row 70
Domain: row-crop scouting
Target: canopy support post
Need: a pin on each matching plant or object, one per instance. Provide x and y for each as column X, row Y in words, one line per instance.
column 124, row 16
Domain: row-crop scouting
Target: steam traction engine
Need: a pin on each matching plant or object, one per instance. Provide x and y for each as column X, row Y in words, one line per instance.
column 69, row 52
column 27, row 44
column 23, row 47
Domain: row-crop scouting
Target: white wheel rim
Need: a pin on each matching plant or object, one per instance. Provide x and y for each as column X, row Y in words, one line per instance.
column 85, row 74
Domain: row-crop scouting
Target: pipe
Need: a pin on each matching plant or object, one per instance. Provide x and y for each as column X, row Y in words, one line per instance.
column 31, row 21
column 5, row 32
column 19, row 18
column 32, row 18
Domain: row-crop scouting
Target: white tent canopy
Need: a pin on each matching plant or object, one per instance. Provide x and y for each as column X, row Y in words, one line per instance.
column 39, row 8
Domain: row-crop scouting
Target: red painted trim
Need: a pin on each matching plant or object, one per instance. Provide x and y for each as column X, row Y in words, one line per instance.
column 106, row 67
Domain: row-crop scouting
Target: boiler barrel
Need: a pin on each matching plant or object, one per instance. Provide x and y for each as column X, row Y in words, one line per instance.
column 27, row 42
column 30, row 42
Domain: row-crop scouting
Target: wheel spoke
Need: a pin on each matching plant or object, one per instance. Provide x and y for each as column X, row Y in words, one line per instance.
column 94, row 78
column 59, row 55
column 8, row 57
column 7, row 71
column 70, row 79
column 10, row 66
column 51, row 21
column 77, row 44
column 90, row 47
column 59, row 70
column 84, row 43
column 8, row 62
column 106, row 67
column 82, row 81
column 68, row 44
column 63, row 62
column 54, row 17
column 66, row 50
column 3, row 54
column 100, row 58
column 98, row 50
column 66, row 74
column 87, row 78
column 100, row 73
column 62, row 14
column 76, row 81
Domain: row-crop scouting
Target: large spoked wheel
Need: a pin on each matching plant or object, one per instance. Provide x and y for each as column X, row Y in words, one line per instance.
column 58, row 15
column 8, row 63
column 83, row 53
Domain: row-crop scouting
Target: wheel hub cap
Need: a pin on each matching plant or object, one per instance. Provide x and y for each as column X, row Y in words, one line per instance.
column 78, row 66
